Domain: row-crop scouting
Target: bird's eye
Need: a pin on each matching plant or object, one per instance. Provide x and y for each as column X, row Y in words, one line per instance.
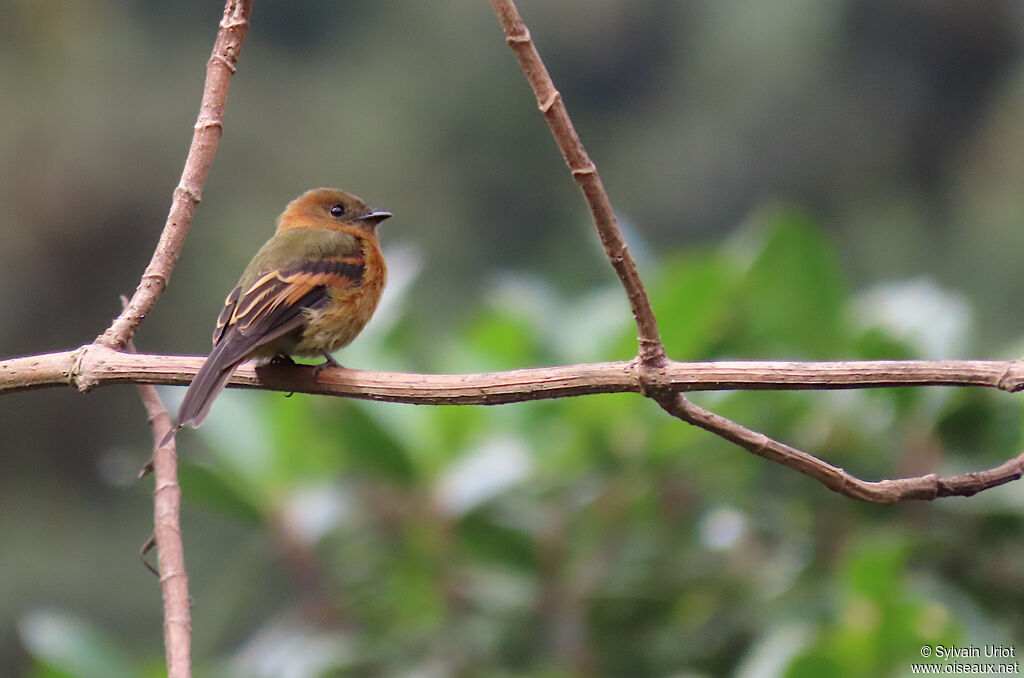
column 337, row 210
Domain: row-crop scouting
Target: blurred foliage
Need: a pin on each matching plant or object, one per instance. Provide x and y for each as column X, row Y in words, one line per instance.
column 597, row 536
column 798, row 180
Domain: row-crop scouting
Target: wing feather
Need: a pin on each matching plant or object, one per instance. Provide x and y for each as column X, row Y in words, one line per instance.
column 278, row 295
column 225, row 314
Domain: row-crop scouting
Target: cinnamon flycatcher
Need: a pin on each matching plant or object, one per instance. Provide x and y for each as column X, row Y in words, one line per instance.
column 308, row 292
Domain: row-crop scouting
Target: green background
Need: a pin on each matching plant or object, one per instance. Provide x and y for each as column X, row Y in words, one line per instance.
column 798, row 179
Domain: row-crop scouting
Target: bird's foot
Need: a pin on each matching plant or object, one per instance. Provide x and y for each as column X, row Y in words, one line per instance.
column 329, row 361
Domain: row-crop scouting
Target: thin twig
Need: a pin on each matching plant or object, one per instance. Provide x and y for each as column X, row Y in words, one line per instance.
column 92, row 366
column 584, row 171
column 926, row 487
column 167, row 535
column 234, row 26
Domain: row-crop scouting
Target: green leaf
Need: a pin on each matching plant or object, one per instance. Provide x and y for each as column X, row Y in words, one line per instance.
column 979, row 425
column 793, row 294
column 301, row 449
column 212, row 488
column 369, row 446
column 498, row 339
column 878, row 344
column 691, row 298
column 73, row 646
column 489, row 540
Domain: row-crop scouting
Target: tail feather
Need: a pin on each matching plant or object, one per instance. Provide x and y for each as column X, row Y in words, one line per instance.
column 209, row 381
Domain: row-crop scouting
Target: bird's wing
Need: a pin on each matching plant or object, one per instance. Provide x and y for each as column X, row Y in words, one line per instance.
column 275, row 304
column 271, row 307
column 225, row 315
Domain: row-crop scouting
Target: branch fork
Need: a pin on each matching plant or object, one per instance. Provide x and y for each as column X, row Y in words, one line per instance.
column 651, row 361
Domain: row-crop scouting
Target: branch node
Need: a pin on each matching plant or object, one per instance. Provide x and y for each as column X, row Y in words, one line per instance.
column 187, row 193
column 211, row 123
column 150, row 280
column 235, row 20
column 521, row 37
column 78, row 376
column 549, row 103
column 653, row 378
column 1011, row 380
column 228, row 63
column 652, row 355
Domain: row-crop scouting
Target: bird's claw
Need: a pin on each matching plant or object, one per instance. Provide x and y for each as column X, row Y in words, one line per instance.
column 329, row 361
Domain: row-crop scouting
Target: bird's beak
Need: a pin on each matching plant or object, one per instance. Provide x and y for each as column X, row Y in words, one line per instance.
column 374, row 218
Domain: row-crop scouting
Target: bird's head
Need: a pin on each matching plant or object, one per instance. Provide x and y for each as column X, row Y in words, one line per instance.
column 329, row 208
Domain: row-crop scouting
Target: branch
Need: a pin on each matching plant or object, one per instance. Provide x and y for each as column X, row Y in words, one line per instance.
column 167, row 535
column 925, row 487
column 654, row 375
column 584, row 171
column 95, row 365
column 92, row 365
column 234, row 26
column 222, row 65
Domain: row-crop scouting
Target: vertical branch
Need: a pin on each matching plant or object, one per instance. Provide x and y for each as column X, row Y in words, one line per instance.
column 651, row 350
column 167, row 535
column 234, row 26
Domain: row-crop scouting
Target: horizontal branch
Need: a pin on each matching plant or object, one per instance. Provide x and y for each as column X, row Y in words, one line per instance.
column 96, row 365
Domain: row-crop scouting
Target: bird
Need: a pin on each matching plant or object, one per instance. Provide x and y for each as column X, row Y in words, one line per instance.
column 307, row 292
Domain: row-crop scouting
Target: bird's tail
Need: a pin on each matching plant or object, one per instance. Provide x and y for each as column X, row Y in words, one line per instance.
column 209, row 381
